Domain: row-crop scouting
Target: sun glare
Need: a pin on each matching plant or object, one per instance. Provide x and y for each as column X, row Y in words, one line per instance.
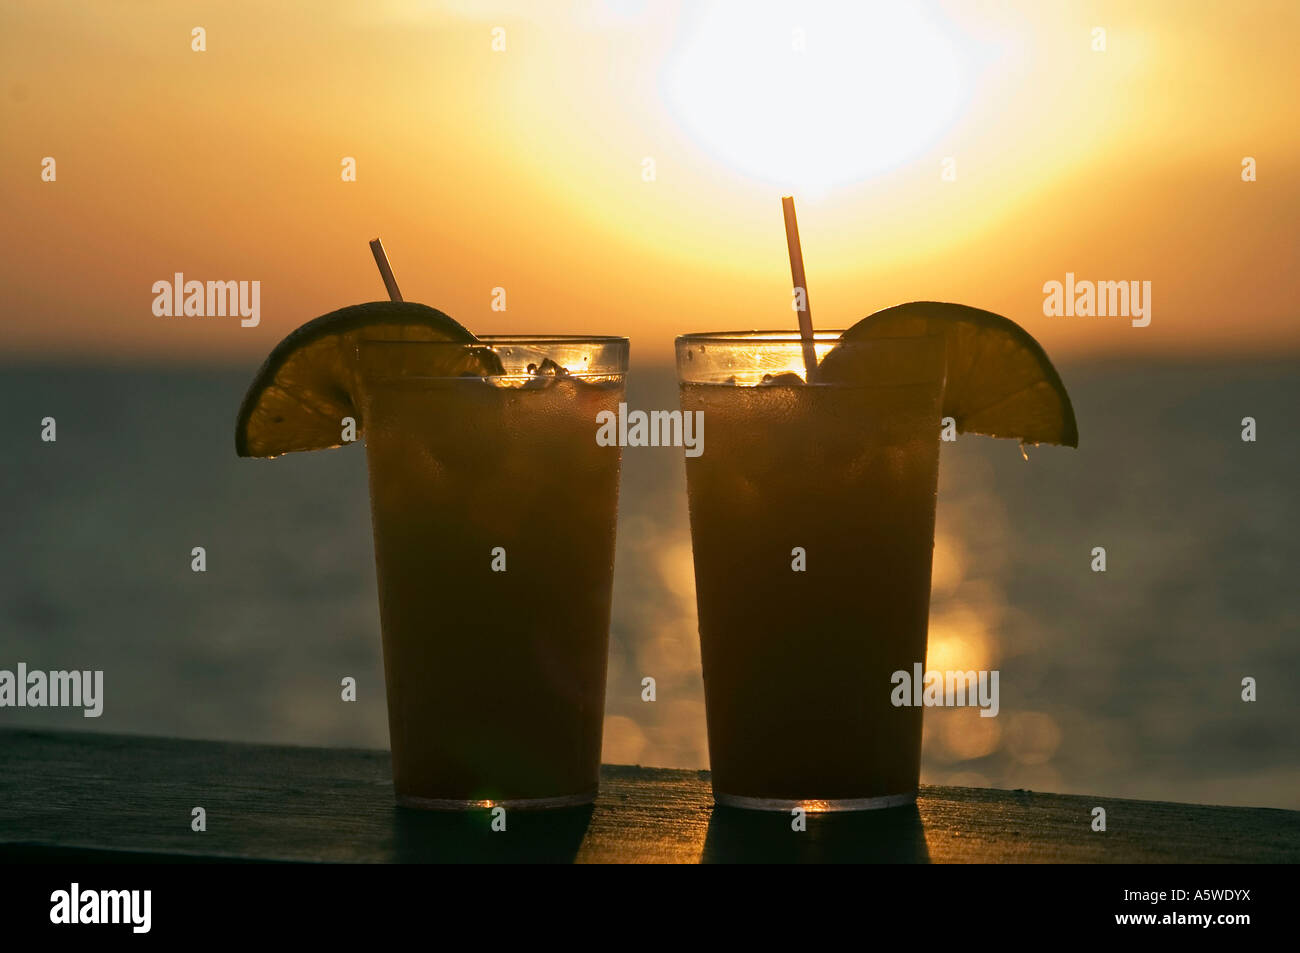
column 813, row 95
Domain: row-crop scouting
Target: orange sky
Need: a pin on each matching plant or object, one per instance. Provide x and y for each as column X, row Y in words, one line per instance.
column 523, row 169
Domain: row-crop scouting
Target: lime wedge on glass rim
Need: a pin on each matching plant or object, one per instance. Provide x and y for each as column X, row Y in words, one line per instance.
column 307, row 384
column 1000, row 381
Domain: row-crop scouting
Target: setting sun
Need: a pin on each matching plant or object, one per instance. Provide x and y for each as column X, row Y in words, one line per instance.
column 814, row 96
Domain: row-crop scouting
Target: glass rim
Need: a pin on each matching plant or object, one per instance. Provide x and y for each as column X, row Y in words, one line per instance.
column 757, row 337
column 788, row 338
column 530, row 339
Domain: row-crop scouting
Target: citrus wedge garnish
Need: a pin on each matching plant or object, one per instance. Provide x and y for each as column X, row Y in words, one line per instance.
column 999, row 380
column 307, row 385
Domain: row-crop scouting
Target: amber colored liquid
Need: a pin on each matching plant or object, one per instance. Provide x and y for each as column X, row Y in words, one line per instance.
column 496, row 680
column 797, row 665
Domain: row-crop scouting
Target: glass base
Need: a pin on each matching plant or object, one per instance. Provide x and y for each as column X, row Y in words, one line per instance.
column 812, row 805
column 510, row 804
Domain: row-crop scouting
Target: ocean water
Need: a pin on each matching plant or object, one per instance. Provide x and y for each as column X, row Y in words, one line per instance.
column 1125, row 683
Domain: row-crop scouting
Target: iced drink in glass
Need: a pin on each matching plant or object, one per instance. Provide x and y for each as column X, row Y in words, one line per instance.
column 812, row 524
column 494, row 516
